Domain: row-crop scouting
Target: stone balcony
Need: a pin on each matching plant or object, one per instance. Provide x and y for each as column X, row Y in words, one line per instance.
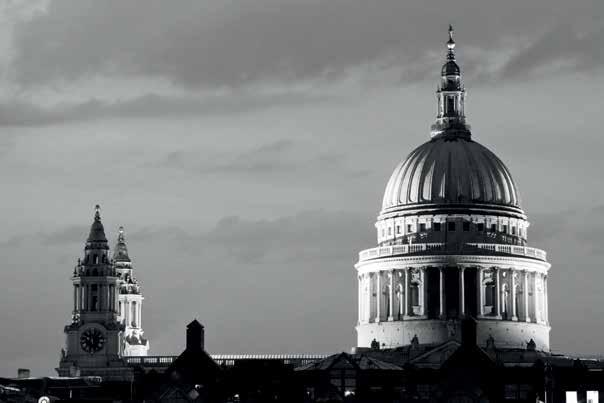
column 443, row 248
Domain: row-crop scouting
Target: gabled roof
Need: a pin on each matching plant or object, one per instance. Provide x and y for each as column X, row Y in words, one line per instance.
column 437, row 355
column 360, row 362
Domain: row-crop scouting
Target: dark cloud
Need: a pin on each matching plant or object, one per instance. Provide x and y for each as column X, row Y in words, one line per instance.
column 559, row 49
column 218, row 44
column 277, row 159
column 149, row 106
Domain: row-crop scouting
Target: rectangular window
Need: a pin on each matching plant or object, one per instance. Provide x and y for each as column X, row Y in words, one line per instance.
column 505, row 229
column 398, row 229
column 592, row 396
column 450, row 226
column 409, row 228
column 494, row 227
column 436, row 226
column 422, row 227
column 480, row 227
column 389, row 231
column 513, row 230
column 571, row 396
column 466, row 226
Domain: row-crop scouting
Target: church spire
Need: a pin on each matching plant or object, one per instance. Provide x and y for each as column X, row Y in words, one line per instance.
column 96, row 238
column 120, row 253
column 451, row 120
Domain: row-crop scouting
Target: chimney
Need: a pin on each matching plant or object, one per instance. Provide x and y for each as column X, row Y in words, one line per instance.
column 468, row 332
column 23, row 373
column 195, row 336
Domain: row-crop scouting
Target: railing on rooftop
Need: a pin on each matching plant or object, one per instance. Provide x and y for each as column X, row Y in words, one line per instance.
column 395, row 250
column 229, row 359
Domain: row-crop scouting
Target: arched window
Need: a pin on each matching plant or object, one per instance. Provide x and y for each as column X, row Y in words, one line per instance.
column 133, row 314
column 489, row 294
column 94, row 298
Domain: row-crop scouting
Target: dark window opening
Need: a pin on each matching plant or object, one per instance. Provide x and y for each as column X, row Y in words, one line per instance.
column 398, row 229
column 450, row 226
column 409, row 228
column 480, row 227
column 494, row 227
column 466, row 226
column 436, row 226
column 422, row 227
column 513, row 230
column 505, row 229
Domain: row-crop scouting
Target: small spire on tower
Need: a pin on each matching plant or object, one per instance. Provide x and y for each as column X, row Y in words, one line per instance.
column 97, row 213
column 451, row 44
column 120, row 252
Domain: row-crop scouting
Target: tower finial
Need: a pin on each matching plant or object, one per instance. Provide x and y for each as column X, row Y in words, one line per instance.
column 121, row 234
column 97, row 212
column 451, row 44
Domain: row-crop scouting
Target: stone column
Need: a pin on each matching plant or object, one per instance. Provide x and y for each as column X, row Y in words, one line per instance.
column 360, row 297
column 75, row 298
column 378, row 297
column 545, row 302
column 462, row 299
column 527, row 315
column 391, row 296
column 140, row 313
column 497, row 292
column 424, row 296
column 479, row 291
column 367, row 297
column 514, row 307
column 88, row 297
column 441, row 285
column 536, row 299
column 406, row 294
column 102, row 301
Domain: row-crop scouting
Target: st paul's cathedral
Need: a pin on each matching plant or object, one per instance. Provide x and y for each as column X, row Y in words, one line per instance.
column 452, row 303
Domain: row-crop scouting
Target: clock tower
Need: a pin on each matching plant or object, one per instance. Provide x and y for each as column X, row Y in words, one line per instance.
column 93, row 336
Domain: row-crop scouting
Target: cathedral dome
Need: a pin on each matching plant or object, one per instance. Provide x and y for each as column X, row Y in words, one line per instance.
column 451, row 170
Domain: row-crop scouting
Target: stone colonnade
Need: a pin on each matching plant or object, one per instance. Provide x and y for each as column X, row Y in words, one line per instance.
column 501, row 293
column 131, row 312
column 94, row 297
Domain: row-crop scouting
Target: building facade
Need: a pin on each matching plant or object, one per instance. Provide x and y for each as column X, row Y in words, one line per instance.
column 452, row 242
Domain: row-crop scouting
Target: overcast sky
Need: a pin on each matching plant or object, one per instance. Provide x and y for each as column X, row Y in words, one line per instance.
column 245, row 147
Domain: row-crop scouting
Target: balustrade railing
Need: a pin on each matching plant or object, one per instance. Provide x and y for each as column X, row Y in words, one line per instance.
column 228, row 359
column 394, row 250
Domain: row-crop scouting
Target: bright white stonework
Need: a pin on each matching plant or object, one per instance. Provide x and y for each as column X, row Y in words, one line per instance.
column 452, row 243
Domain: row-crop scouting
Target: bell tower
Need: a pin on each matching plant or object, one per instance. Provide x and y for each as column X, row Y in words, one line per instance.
column 130, row 302
column 93, row 336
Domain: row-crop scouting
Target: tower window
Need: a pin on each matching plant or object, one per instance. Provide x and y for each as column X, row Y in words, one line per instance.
column 398, row 229
column 422, row 227
column 436, row 226
column 494, row 227
column 409, row 228
column 513, row 230
column 480, row 227
column 505, row 229
column 389, row 231
column 466, row 226
column 451, row 226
